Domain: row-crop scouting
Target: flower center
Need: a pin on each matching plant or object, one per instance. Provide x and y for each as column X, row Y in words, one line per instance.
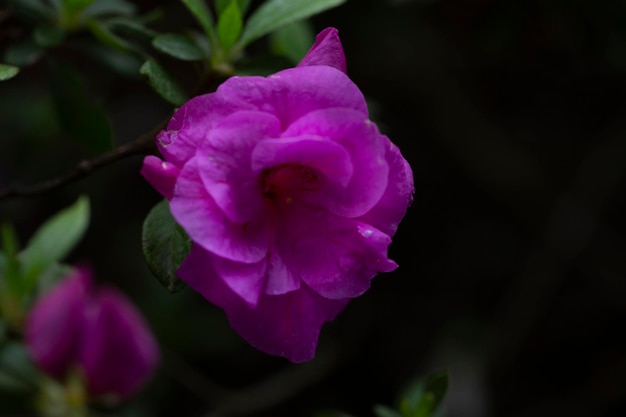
column 284, row 182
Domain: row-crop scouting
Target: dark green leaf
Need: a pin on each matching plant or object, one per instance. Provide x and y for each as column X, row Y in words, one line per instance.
column 178, row 46
column 121, row 62
column 202, row 14
column 17, row 372
column 165, row 246
column 8, row 71
column 424, row 396
column 221, row 5
column 54, row 240
column 82, row 119
column 275, row 14
column 35, row 9
column 293, row 41
column 23, row 53
column 107, row 37
column 47, row 36
column 131, row 27
column 229, row 26
column 75, row 6
column 108, row 8
column 384, row 411
column 163, row 83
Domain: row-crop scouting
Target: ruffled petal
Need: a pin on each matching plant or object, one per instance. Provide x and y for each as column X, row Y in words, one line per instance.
column 54, row 324
column 205, row 223
column 326, row 157
column 246, row 280
column 366, row 147
column 118, row 352
column 336, row 257
column 224, row 161
column 327, row 50
column 392, row 206
column 292, row 93
column 160, row 174
column 189, row 125
column 285, row 325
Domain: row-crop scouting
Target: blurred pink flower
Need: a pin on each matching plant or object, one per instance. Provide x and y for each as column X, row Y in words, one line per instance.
column 100, row 332
column 289, row 193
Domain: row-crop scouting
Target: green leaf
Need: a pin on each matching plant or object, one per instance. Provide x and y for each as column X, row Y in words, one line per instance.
column 423, row 397
column 101, row 32
column 75, row 6
column 202, row 14
column 80, row 117
column 54, row 240
column 36, row 9
column 101, row 8
column 131, row 27
column 178, row 46
column 23, row 53
column 48, row 36
column 275, row 14
column 384, row 411
column 221, row 5
column 165, row 246
column 293, row 40
column 8, row 71
column 17, row 372
column 229, row 26
column 163, row 83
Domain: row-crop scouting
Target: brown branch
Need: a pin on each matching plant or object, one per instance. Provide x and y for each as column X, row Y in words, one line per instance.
column 141, row 145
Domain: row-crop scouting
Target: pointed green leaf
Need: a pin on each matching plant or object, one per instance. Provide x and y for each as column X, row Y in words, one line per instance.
column 54, row 240
column 80, row 117
column 101, row 8
column 178, row 46
column 221, row 5
column 384, row 411
column 229, row 26
column 163, row 83
column 8, row 71
column 107, row 37
column 165, row 246
column 75, row 6
column 23, row 53
column 423, row 397
column 131, row 27
column 47, row 36
column 35, row 9
column 293, row 40
column 202, row 14
column 275, row 14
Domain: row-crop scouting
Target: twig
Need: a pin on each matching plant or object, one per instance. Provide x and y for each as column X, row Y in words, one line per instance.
column 141, row 145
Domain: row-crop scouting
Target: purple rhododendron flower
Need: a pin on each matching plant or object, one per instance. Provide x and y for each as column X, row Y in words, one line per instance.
column 99, row 332
column 289, row 193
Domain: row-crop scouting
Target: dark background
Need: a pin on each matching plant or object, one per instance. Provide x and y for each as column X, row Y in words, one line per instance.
column 512, row 257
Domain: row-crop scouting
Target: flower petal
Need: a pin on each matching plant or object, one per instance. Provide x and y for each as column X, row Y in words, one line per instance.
column 292, row 93
column 392, row 206
column 285, row 325
column 336, row 257
column 224, row 161
column 246, row 280
column 160, row 174
column 54, row 324
column 326, row 50
column 190, row 124
column 206, row 224
column 366, row 146
column 327, row 157
column 118, row 353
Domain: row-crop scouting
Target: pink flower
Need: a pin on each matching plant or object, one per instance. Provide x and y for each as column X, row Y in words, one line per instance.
column 290, row 195
column 100, row 332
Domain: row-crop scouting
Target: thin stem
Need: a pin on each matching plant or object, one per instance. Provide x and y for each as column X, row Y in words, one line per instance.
column 142, row 145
